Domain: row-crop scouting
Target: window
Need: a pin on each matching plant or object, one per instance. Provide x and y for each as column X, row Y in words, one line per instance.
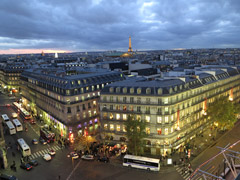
column 111, row 116
column 124, row 117
column 124, row 99
column 111, row 90
column 166, row 119
column 148, row 91
column 111, row 127
column 166, row 109
column 124, row 108
column 124, row 128
column 159, row 119
column 171, row 129
column 111, row 107
column 124, row 90
column 132, row 90
column 147, row 110
column 76, row 98
column 104, row 115
column 89, row 105
column 131, row 99
column 118, row 90
column 111, row 98
column 69, row 110
column 165, row 100
column 166, row 131
column 67, row 92
column 105, row 126
column 117, row 107
column 138, row 108
column 147, row 130
column 118, row 128
column 94, row 103
column 138, row 117
column 117, row 116
column 78, row 108
column 160, row 91
column 147, row 118
column 148, row 100
column 94, row 112
column 139, row 90
column 159, row 131
column 89, row 113
column 83, row 107
column 84, row 114
column 139, row 100
column 159, row 101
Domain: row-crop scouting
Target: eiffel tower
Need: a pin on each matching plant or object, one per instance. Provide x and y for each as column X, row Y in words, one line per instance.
column 130, row 45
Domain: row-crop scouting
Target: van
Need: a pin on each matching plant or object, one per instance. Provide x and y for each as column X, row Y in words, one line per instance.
column 14, row 115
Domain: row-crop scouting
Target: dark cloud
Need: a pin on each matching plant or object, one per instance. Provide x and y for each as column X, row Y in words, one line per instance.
column 106, row 24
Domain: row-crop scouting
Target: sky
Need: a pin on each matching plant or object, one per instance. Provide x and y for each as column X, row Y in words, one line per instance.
column 33, row 26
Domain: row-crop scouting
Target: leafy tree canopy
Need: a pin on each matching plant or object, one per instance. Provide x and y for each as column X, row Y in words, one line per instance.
column 135, row 133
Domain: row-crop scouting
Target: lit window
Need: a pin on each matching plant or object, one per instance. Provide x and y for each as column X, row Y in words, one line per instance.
column 147, row 118
column 111, row 127
column 105, row 126
column 89, row 113
column 159, row 119
column 83, row 98
column 94, row 103
column 171, row 129
column 147, row 130
column 165, row 100
column 138, row 117
column 166, row 131
column 76, row 98
column 166, row 119
column 111, row 116
column 124, row 128
column 118, row 127
column 97, row 86
column 159, row 131
column 124, row 117
column 117, row 116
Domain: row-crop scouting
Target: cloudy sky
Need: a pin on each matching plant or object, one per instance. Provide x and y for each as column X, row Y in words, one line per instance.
column 91, row 25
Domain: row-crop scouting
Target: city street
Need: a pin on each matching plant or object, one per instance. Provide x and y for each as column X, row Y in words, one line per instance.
column 63, row 167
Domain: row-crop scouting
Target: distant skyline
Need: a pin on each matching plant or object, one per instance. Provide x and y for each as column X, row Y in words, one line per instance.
column 29, row 26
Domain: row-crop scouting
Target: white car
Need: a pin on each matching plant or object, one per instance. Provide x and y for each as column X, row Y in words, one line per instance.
column 74, row 155
column 88, row 157
column 47, row 157
column 52, row 152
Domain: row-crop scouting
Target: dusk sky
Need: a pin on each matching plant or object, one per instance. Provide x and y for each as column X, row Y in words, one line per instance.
column 30, row 26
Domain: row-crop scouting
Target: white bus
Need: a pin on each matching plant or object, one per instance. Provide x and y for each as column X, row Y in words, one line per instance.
column 11, row 127
column 23, row 147
column 141, row 162
column 5, row 117
column 17, row 124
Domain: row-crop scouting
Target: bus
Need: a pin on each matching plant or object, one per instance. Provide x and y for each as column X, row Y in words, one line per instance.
column 149, row 164
column 11, row 127
column 5, row 117
column 17, row 124
column 23, row 112
column 26, row 115
column 23, row 147
column 47, row 135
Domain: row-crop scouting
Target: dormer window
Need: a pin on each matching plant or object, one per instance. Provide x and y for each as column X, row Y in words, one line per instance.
column 132, row 90
column 118, row 90
column 148, row 91
column 124, row 90
column 139, row 90
column 170, row 90
column 111, row 90
column 159, row 91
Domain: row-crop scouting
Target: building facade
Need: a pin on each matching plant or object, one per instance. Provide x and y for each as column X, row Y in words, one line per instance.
column 66, row 99
column 173, row 108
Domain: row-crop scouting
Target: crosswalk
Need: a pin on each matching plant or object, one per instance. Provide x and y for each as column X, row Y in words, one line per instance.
column 42, row 152
column 183, row 171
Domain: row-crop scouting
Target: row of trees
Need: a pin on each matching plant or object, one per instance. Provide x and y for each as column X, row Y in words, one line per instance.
column 222, row 111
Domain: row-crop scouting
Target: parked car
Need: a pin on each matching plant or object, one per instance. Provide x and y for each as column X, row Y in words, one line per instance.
column 74, row 155
column 103, row 159
column 7, row 177
column 52, row 152
column 35, row 141
column 42, row 141
column 88, row 157
column 47, row 157
column 26, row 166
column 33, row 162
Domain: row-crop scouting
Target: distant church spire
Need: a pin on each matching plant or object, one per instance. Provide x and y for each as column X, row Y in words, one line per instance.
column 43, row 53
column 56, row 55
column 130, row 45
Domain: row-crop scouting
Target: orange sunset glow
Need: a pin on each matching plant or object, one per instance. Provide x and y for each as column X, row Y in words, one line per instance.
column 32, row 51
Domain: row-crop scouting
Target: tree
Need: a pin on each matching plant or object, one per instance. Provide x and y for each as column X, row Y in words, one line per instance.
column 224, row 112
column 135, row 133
column 83, row 142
